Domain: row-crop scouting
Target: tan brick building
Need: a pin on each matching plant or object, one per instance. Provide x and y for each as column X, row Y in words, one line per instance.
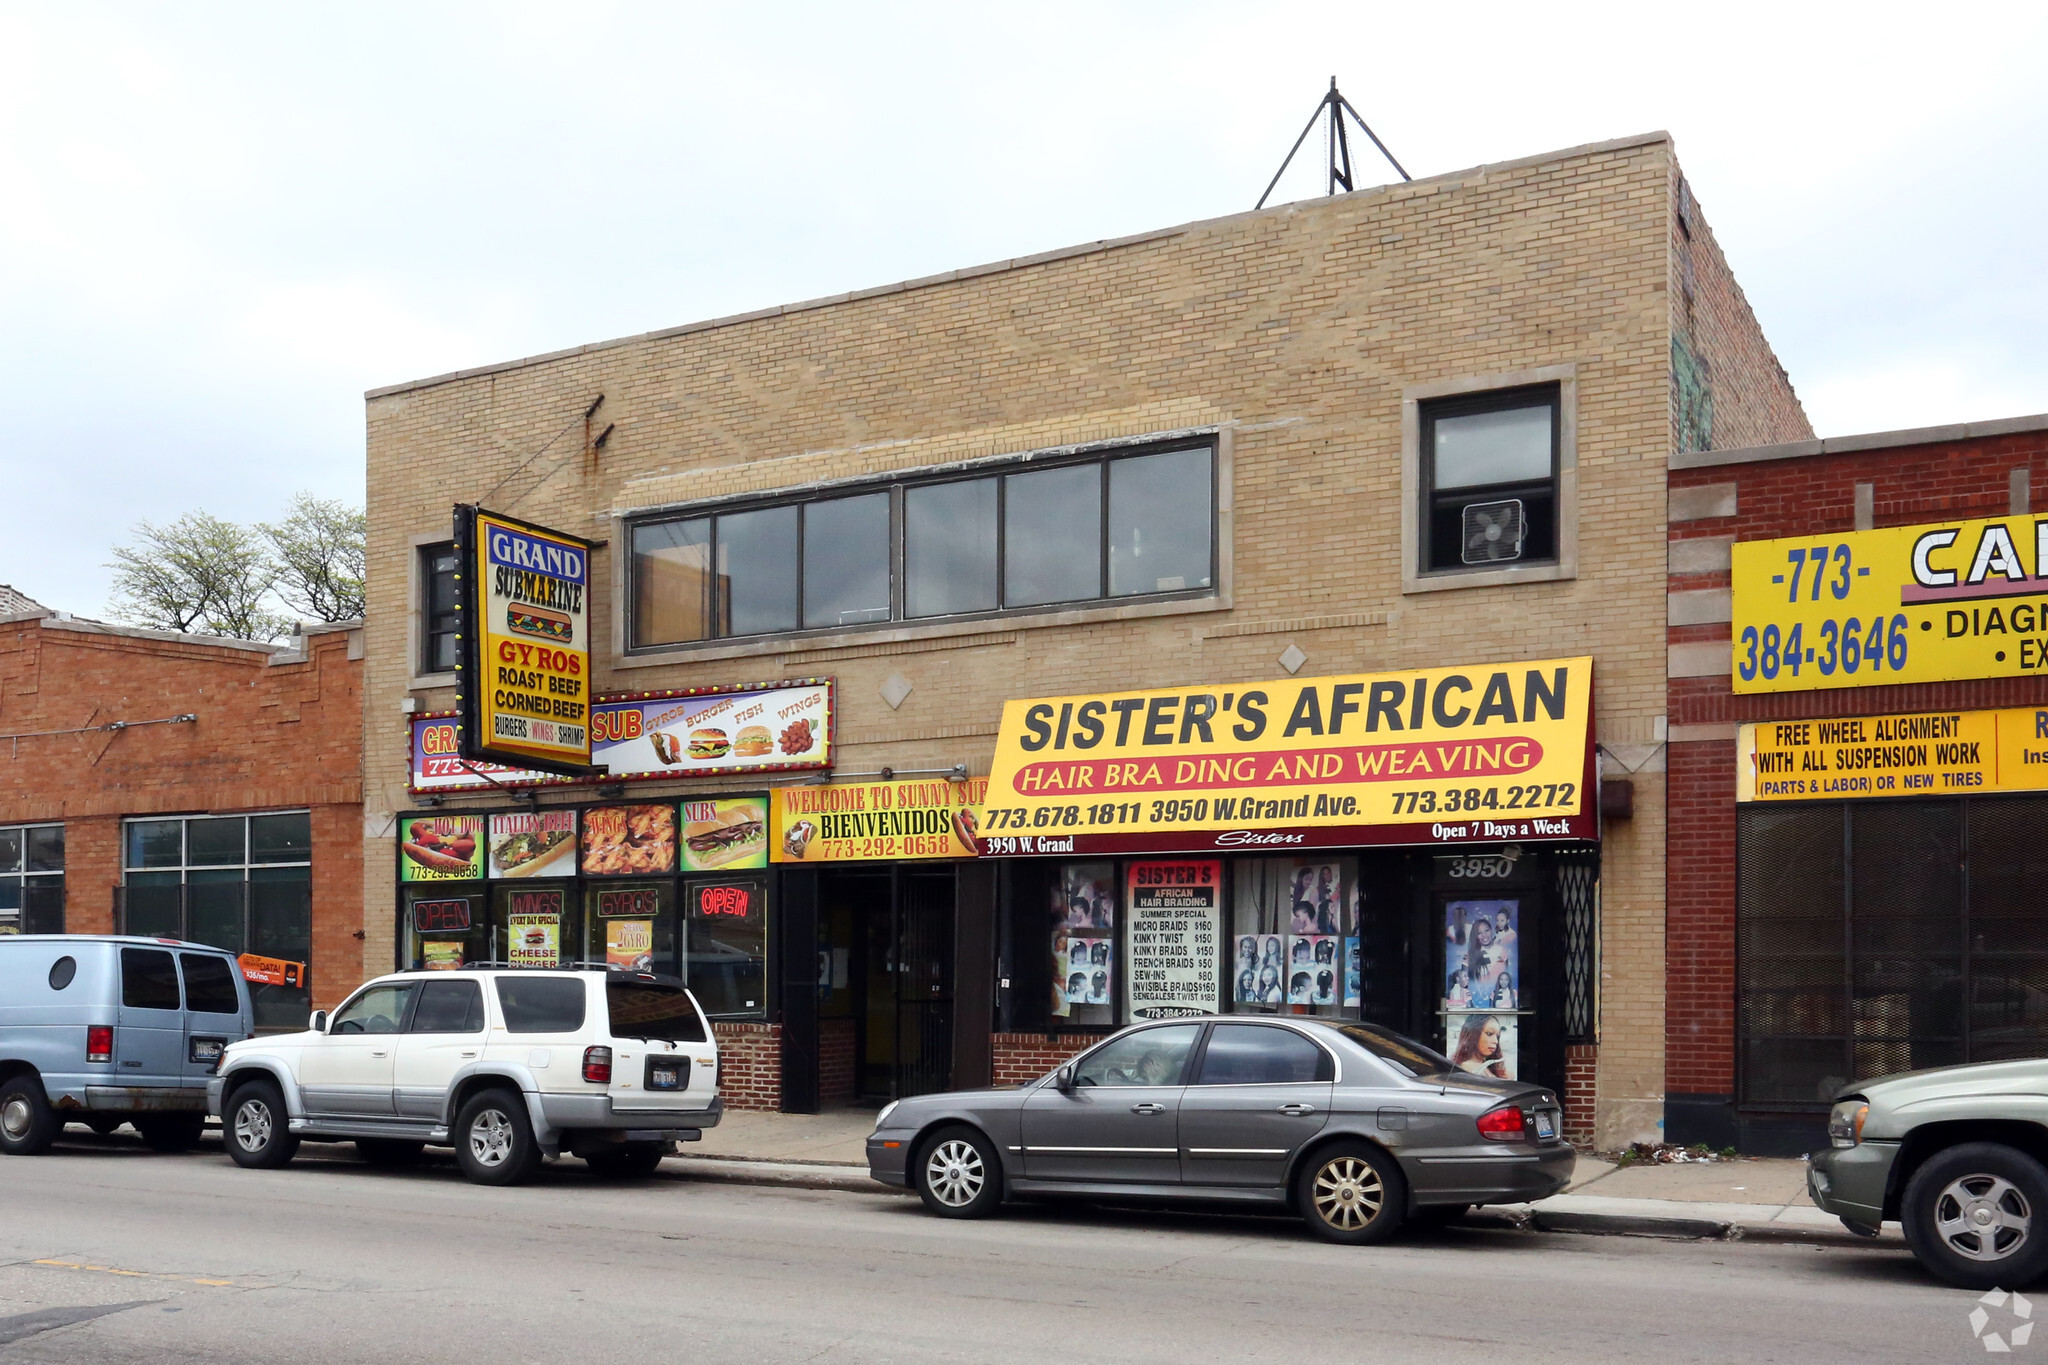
column 185, row 786
column 1322, row 362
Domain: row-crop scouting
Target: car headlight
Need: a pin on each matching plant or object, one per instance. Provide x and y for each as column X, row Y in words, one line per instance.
column 1845, row 1122
column 887, row 1110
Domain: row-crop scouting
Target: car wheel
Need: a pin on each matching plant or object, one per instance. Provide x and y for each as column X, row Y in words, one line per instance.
column 493, row 1142
column 959, row 1174
column 1977, row 1216
column 390, row 1151
column 172, row 1132
column 256, row 1127
column 1351, row 1193
column 27, row 1124
column 628, row 1161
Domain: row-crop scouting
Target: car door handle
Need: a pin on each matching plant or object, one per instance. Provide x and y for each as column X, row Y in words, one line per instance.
column 1147, row 1107
column 469, row 1052
column 1296, row 1110
column 380, row 1052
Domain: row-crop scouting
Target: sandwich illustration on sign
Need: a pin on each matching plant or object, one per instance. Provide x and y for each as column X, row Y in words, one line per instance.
column 725, row 833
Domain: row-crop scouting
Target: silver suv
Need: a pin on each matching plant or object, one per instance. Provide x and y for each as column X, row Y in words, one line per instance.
column 506, row 1066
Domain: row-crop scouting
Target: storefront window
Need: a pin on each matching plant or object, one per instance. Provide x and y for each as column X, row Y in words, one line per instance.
column 726, row 958
column 31, row 879
column 1294, row 936
column 1083, row 923
column 632, row 927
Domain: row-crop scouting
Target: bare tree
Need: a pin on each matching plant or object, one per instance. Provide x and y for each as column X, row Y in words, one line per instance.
column 198, row 575
column 318, row 552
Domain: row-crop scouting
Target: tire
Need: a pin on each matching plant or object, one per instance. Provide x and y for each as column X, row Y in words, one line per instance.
column 958, row 1174
column 1976, row 1215
column 27, row 1124
column 395, row 1152
column 256, row 1127
column 628, row 1161
column 493, row 1141
column 171, row 1132
column 1351, row 1192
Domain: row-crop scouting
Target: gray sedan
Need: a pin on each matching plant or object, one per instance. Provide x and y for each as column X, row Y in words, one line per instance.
column 1356, row 1128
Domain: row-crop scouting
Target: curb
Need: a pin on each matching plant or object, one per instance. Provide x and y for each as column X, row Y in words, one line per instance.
column 795, row 1175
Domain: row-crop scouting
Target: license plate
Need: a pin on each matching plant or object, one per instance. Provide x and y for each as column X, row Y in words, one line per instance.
column 665, row 1078
column 1546, row 1127
column 206, row 1049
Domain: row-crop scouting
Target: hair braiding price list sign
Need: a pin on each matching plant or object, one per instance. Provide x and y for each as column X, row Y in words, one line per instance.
column 1171, row 937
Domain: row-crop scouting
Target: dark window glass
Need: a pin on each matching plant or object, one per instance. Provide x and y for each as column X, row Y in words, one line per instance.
column 541, row 1004
column 378, row 1009
column 46, row 849
column 438, row 618
column 1490, row 470
column 149, row 979
column 281, row 838
column 949, row 547
column 152, row 905
column 209, row 985
column 672, row 581
column 156, row 843
column 42, row 905
column 216, row 843
column 1159, row 522
column 846, row 561
column 10, row 850
column 281, row 925
column 1052, row 536
column 757, row 587
column 62, row 972
column 649, row 1009
column 213, row 908
column 1153, row 1056
column 449, row 1007
column 1405, row 1053
column 725, row 955
column 1250, row 1054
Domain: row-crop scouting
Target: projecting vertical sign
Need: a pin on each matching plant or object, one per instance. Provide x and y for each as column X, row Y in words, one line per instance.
column 523, row 673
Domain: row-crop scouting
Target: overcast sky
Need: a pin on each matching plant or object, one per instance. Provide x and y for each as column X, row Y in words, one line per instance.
column 220, row 223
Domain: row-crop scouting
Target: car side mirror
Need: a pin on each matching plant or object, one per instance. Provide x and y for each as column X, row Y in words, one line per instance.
column 1063, row 1079
column 318, row 1023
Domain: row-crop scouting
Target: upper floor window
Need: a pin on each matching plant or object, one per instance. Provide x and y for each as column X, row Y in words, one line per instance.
column 1028, row 537
column 31, row 879
column 1489, row 479
column 438, row 621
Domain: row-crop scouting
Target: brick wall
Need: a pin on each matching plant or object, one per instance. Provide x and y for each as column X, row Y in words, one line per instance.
column 1581, row 1079
column 1796, row 490
column 750, row 1065
column 838, row 1070
column 274, row 731
column 1021, row 1057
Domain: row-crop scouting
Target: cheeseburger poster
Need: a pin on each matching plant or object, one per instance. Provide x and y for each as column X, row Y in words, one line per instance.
column 523, row 672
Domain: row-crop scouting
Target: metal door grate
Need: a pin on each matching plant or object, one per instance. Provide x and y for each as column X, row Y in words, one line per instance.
column 1578, row 899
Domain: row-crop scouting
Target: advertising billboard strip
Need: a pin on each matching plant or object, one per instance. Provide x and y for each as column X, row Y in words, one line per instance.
column 655, row 737
column 1426, row 756
column 522, row 674
column 871, row 821
column 1921, row 753
column 1937, row 602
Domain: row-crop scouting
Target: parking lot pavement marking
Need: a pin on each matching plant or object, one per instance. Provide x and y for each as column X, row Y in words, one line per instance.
column 138, row 1274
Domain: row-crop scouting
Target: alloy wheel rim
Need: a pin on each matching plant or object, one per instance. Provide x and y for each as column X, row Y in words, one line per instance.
column 954, row 1173
column 1349, row 1193
column 15, row 1117
column 490, row 1138
column 252, row 1125
column 1983, row 1217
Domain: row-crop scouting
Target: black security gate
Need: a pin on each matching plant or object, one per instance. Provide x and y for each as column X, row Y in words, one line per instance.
column 924, row 983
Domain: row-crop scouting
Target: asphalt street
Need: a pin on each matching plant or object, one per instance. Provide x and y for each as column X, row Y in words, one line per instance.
column 111, row 1254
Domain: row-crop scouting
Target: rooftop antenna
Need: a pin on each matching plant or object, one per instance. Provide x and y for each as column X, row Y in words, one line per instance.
column 1332, row 106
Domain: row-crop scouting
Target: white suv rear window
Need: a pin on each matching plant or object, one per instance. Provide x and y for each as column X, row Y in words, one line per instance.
column 541, row 1004
column 650, row 1009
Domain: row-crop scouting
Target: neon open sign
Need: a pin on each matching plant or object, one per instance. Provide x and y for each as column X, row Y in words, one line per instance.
column 727, row 901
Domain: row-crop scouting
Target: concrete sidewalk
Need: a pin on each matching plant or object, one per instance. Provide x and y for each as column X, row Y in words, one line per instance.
column 1749, row 1197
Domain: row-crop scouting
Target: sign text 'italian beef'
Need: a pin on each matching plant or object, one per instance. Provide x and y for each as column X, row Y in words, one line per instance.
column 1441, row 755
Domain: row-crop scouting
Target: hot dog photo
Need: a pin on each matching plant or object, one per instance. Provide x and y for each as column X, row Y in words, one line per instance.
column 436, row 848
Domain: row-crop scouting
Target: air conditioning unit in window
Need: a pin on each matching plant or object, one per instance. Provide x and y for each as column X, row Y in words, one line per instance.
column 1492, row 531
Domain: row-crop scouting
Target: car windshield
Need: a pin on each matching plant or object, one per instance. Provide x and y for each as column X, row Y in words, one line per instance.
column 1405, row 1053
column 651, row 1009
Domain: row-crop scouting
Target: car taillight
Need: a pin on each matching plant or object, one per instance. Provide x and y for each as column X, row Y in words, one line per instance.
column 1503, row 1124
column 597, row 1065
column 99, row 1043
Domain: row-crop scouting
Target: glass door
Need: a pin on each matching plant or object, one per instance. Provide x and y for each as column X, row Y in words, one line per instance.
column 1486, row 1029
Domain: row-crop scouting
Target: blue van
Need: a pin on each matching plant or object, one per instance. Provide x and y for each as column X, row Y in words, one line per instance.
column 102, row 1030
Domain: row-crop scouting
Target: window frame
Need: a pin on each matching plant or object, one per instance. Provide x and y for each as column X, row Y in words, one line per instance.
column 420, row 644
column 23, row 880
column 1417, row 485
column 1216, row 596
column 1474, row 405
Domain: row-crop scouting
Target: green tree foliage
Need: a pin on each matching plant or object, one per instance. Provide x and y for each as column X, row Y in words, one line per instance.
column 205, row 575
column 318, row 552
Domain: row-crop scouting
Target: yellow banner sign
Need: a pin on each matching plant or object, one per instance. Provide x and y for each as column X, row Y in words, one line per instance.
column 1907, row 604
column 523, row 677
column 866, row 821
column 1428, row 756
column 1926, row 753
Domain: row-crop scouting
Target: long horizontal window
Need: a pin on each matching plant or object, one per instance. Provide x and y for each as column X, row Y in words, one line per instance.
column 1026, row 538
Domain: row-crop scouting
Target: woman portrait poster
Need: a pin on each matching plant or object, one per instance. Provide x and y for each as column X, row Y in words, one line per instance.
column 1481, row 946
column 1483, row 1044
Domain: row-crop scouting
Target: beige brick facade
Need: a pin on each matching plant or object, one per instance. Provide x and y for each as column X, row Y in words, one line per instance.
column 1293, row 331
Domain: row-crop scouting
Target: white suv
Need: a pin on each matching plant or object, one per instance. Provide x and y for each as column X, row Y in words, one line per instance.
column 508, row 1067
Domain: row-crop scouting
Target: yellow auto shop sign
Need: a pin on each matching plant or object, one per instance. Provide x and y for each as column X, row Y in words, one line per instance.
column 1931, row 603
column 1443, row 755
column 1922, row 753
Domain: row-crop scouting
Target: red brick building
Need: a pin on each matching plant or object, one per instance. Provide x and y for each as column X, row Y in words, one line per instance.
column 1812, row 942
column 185, row 786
